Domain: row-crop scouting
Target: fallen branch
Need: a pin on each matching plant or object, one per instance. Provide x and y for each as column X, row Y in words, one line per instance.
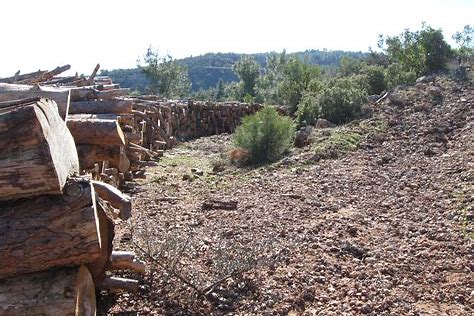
column 213, row 204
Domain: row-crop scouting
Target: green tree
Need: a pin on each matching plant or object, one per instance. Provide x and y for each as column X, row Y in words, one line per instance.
column 220, row 90
column 464, row 41
column 422, row 51
column 350, row 66
column 298, row 77
column 268, row 83
column 248, row 71
column 437, row 51
column 167, row 77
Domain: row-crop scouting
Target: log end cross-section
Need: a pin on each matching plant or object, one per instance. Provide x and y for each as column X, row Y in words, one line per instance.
column 37, row 151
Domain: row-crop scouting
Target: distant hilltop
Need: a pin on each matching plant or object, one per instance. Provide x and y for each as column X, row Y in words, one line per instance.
column 206, row 70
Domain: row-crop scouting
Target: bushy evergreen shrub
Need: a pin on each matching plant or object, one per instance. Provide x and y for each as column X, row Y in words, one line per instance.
column 341, row 104
column 375, row 79
column 266, row 135
column 396, row 75
column 308, row 111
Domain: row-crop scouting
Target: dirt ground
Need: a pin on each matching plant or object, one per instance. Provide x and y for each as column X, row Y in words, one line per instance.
column 378, row 222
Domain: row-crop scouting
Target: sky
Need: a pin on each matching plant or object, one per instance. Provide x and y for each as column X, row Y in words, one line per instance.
column 48, row 33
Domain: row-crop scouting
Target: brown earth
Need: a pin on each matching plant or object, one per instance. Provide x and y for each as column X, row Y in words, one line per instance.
column 385, row 229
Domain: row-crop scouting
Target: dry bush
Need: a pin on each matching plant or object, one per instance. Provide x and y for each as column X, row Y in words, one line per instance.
column 206, row 267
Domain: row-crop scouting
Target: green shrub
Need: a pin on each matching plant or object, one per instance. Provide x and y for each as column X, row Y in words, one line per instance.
column 375, row 79
column 422, row 51
column 341, row 102
column 266, row 135
column 396, row 75
column 308, row 110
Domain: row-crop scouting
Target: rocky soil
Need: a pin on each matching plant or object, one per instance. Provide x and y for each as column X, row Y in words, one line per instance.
column 385, row 229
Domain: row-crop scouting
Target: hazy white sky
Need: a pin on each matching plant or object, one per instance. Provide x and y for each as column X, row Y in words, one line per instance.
column 48, row 33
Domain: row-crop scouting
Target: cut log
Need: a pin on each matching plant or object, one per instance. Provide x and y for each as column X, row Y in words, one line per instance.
column 37, row 152
column 18, row 77
column 10, row 92
column 106, row 229
column 125, row 260
column 121, row 118
column 81, row 94
column 106, row 85
column 213, row 204
column 68, row 292
column 115, row 284
column 49, row 231
column 94, row 73
column 95, row 131
column 114, row 106
column 47, row 75
column 91, row 154
column 117, row 199
column 12, row 103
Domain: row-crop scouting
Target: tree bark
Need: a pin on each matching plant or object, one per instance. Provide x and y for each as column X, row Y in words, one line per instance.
column 10, row 92
column 114, row 106
column 95, row 131
column 49, row 231
column 37, row 152
column 65, row 292
column 91, row 154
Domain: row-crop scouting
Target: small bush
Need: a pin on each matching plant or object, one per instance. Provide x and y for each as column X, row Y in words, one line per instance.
column 338, row 142
column 375, row 79
column 395, row 75
column 265, row 135
column 340, row 103
column 308, row 111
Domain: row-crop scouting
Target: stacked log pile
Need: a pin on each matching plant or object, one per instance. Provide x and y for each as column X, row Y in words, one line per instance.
column 98, row 116
column 56, row 228
column 96, row 119
column 163, row 122
column 116, row 136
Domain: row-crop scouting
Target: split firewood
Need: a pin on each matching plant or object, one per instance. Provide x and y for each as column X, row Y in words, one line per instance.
column 68, row 291
column 106, row 230
column 117, row 199
column 37, row 152
column 116, row 284
column 125, row 260
column 49, row 230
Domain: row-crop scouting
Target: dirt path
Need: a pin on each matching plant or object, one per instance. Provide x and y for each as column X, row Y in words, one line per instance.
column 383, row 230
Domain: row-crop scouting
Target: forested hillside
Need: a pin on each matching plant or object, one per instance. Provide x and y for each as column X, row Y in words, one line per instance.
column 206, row 70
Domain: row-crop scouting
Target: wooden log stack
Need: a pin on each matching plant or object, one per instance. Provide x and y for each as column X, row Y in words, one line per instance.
column 115, row 135
column 163, row 122
column 56, row 227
